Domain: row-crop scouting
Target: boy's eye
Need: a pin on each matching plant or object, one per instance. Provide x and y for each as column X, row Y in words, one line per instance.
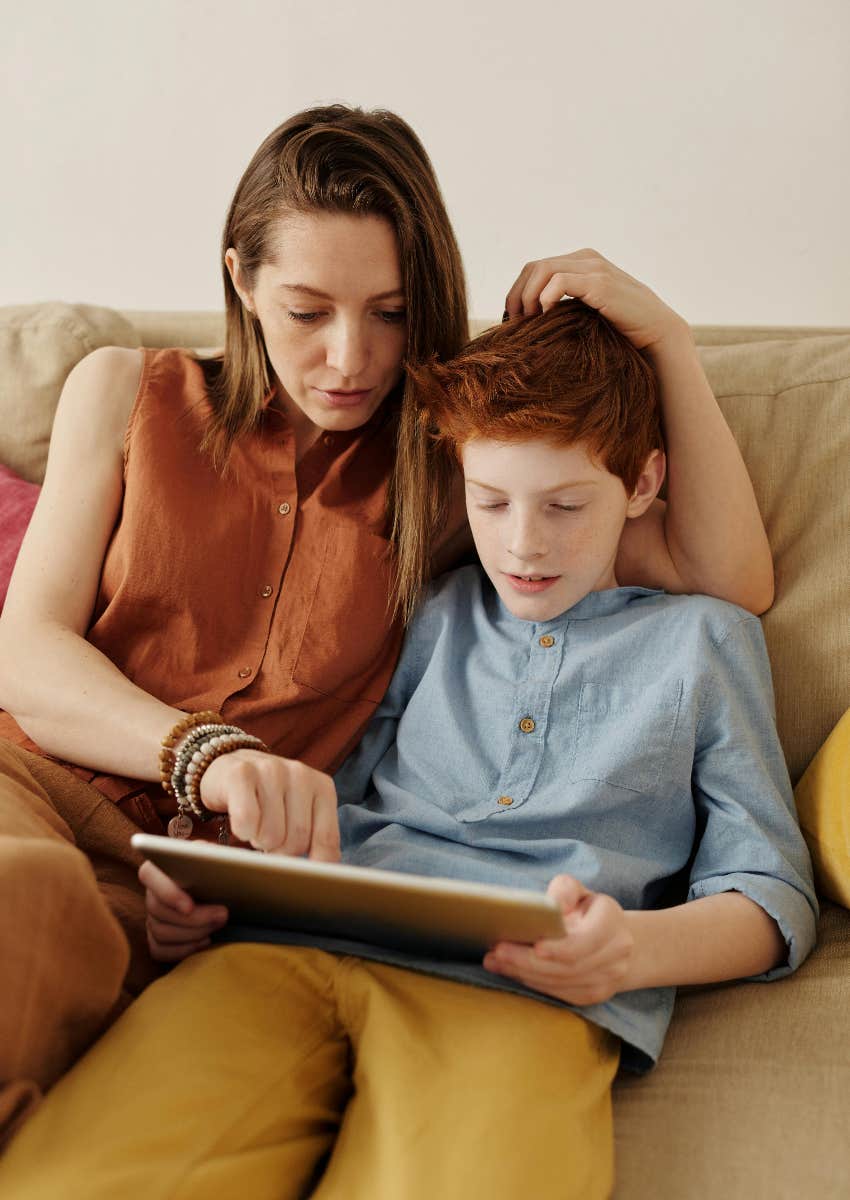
column 306, row 318
column 568, row 507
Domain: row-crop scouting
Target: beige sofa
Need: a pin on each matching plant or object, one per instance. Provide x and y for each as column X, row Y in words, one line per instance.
column 752, row 1096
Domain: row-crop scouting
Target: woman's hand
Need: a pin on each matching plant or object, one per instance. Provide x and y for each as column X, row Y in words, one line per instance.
column 589, row 964
column 176, row 925
column 624, row 301
column 274, row 803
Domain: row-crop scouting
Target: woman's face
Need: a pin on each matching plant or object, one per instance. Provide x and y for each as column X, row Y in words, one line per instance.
column 332, row 310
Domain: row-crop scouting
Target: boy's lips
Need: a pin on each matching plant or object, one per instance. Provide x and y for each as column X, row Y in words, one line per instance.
column 531, row 585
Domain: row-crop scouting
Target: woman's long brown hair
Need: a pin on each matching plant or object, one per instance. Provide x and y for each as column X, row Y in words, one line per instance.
column 341, row 159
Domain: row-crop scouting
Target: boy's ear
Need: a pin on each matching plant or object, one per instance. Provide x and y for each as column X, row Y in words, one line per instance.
column 648, row 484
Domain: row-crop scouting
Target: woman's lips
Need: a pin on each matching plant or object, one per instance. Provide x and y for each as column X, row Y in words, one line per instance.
column 345, row 399
column 530, row 587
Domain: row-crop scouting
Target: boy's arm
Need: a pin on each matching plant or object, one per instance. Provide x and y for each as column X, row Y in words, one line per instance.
column 749, row 838
column 751, row 908
column 607, row 949
column 716, row 938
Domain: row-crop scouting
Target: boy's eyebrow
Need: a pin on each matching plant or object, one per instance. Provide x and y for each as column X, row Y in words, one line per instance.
column 306, row 290
column 559, row 487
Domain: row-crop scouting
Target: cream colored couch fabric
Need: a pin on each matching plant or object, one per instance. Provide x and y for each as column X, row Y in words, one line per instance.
column 788, row 404
column 39, row 344
column 751, row 1100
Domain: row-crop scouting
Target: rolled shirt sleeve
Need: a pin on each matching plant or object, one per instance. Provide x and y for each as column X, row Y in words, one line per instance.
column 749, row 839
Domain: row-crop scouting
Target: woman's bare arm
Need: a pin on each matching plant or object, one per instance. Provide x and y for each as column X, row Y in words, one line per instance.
column 709, row 537
column 63, row 692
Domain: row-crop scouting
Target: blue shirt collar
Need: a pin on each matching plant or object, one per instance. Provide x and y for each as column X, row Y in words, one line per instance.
column 594, row 604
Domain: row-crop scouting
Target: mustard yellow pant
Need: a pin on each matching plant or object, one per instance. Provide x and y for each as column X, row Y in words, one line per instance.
column 255, row 1071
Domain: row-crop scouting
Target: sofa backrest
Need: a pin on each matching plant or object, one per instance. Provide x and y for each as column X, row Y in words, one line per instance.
column 785, row 393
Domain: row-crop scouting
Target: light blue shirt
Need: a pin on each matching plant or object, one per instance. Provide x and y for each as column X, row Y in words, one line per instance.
column 635, row 739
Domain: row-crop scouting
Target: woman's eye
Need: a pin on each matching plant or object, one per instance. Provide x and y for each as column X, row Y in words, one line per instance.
column 306, row 318
column 393, row 316
column 494, row 505
column 568, row 507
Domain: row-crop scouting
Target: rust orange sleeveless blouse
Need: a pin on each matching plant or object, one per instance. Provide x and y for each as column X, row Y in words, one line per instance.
column 262, row 593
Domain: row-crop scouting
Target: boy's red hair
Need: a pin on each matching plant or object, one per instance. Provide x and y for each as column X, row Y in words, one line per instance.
column 566, row 375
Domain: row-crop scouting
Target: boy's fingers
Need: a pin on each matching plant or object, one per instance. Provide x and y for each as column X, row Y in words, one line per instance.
column 201, row 914
column 163, row 953
column 168, row 934
column 164, row 888
column 567, row 892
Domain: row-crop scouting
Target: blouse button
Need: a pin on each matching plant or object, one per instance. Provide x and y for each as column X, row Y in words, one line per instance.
column 328, row 439
column 527, row 725
column 283, row 509
column 267, row 591
column 245, row 672
column 505, row 800
column 547, row 640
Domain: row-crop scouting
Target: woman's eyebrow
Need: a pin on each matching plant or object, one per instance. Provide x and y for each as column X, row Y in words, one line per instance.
column 305, row 289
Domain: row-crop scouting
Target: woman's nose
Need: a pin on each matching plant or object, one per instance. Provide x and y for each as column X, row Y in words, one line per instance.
column 347, row 351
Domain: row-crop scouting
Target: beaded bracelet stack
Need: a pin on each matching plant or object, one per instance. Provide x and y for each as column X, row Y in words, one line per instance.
column 196, row 741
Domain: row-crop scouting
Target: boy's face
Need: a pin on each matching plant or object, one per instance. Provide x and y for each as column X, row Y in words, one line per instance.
column 547, row 521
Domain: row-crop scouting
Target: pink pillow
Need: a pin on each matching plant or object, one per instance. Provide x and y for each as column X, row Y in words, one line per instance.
column 17, row 500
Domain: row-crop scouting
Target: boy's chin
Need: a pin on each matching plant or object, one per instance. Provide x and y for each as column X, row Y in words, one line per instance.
column 542, row 606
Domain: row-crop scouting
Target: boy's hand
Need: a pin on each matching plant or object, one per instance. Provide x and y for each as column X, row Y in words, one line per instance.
column 624, row 301
column 589, row 964
column 274, row 803
column 176, row 925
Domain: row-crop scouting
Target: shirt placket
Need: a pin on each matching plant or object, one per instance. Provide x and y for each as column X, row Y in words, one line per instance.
column 282, row 502
column 529, row 722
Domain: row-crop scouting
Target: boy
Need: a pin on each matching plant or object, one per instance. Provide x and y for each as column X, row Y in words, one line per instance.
column 544, row 728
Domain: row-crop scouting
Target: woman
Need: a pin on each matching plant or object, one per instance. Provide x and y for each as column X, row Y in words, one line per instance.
column 226, row 550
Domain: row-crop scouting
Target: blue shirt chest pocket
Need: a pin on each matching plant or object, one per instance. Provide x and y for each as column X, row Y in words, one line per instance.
column 624, row 735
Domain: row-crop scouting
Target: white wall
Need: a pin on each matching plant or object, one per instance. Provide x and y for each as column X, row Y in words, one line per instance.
column 704, row 146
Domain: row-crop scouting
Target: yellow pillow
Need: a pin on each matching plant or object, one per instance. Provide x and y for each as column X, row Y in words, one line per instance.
column 823, row 802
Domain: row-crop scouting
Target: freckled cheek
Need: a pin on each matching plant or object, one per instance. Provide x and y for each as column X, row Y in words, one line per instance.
column 578, row 547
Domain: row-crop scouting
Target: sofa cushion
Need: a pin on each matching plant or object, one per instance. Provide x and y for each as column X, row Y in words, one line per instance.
column 17, row 500
column 823, row 802
column 788, row 404
column 749, row 1100
column 39, row 344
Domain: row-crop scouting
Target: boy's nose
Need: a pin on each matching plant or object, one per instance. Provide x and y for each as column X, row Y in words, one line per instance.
column 526, row 542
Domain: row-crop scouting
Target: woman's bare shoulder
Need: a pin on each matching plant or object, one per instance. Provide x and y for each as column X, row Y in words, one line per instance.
column 99, row 395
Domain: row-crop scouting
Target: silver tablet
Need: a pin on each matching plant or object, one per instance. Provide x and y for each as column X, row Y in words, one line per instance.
column 441, row 918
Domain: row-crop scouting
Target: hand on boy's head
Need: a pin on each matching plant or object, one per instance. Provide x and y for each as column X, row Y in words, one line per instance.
column 589, row 964
column 627, row 303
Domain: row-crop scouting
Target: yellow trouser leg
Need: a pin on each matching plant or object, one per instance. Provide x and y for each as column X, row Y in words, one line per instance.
column 465, row 1093
column 226, row 1079
column 229, row 1078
